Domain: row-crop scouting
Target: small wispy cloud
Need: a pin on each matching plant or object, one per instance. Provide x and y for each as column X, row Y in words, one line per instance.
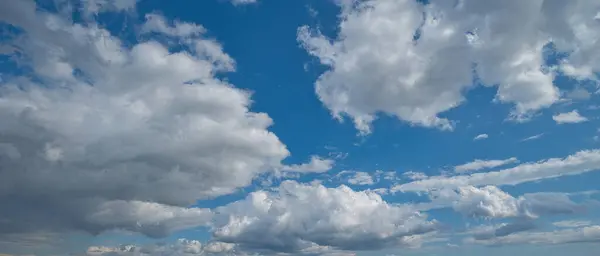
column 482, row 136
column 478, row 164
column 534, row 137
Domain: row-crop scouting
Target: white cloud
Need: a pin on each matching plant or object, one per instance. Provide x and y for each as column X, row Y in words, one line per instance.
column 569, row 117
column 105, row 133
column 478, row 164
column 316, row 164
column 298, row 217
column 158, row 24
column 415, row 175
column 377, row 65
column 534, row 137
column 572, row 223
column 482, row 136
column 242, row 2
column 589, row 234
column 580, row 162
column 491, row 202
column 361, row 178
column 183, row 247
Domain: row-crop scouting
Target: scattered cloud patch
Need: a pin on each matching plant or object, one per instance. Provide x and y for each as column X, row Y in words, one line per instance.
column 580, row 162
column 572, row 223
column 590, row 234
column 478, row 164
column 481, row 137
column 243, row 2
column 415, row 175
column 534, row 137
column 361, row 178
column 569, row 118
column 316, row 164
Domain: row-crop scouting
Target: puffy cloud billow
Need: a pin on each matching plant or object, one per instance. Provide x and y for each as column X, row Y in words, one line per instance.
column 100, row 134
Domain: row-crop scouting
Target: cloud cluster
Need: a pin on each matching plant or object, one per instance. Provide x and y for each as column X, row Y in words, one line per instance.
column 299, row 217
column 414, row 61
column 491, row 202
column 101, row 134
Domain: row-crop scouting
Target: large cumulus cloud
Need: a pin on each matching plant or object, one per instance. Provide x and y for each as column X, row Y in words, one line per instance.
column 415, row 61
column 99, row 133
column 298, row 217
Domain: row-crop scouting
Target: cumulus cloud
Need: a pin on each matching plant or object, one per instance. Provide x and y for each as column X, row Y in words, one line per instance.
column 590, row 234
column 491, row 202
column 99, row 135
column 298, row 217
column 414, row 61
column 580, row 162
column 482, row 136
column 478, row 164
column 569, row 118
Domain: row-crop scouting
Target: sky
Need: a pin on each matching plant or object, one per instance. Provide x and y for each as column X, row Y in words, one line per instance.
column 299, row 127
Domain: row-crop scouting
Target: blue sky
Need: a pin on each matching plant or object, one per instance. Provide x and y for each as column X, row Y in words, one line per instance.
column 346, row 127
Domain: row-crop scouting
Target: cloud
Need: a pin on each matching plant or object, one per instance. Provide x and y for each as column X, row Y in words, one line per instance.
column 98, row 136
column 580, row 162
column 316, row 164
column 298, row 217
column 505, row 229
column 183, row 247
column 242, row 2
column 579, row 93
column 491, row 202
column 478, row 164
column 481, row 137
column 415, row 175
column 158, row 24
column 534, row 137
column 590, row 234
column 415, row 61
column 569, row 118
column 572, row 223
column 361, row 178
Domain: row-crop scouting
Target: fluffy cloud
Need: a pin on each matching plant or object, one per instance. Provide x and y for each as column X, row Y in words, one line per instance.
column 299, row 217
column 99, row 134
column 590, row 234
column 414, row 61
column 569, row 117
column 491, row 202
column 361, row 178
column 580, row 162
column 478, row 164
